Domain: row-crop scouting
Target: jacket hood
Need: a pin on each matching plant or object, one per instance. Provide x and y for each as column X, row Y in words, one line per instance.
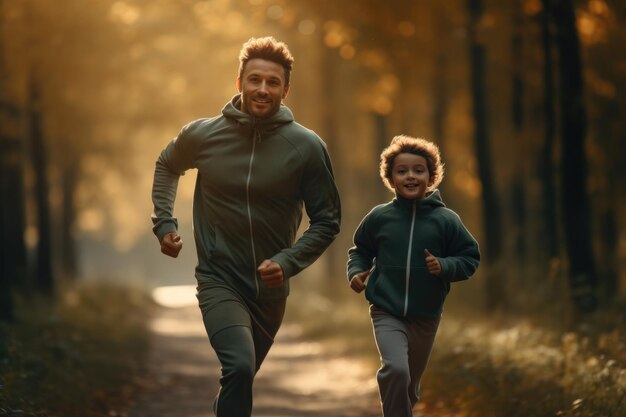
column 281, row 117
column 431, row 200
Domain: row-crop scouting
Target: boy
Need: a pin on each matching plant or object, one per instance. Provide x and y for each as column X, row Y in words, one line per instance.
column 411, row 249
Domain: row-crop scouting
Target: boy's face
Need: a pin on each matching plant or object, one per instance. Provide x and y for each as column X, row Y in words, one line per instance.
column 409, row 176
column 262, row 87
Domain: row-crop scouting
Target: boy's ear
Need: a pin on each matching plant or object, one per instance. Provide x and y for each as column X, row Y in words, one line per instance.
column 238, row 84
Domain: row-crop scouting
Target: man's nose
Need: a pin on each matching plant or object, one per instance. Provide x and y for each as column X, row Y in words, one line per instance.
column 263, row 87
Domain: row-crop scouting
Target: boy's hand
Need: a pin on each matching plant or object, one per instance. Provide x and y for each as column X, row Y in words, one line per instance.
column 432, row 263
column 171, row 244
column 357, row 283
column 271, row 273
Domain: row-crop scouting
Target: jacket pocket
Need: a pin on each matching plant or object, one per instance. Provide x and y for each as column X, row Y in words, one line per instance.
column 427, row 293
column 387, row 288
column 220, row 250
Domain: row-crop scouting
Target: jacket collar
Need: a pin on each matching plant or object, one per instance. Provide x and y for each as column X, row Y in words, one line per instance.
column 232, row 111
column 431, row 200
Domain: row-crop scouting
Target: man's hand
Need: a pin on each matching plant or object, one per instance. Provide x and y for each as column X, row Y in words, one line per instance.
column 432, row 263
column 357, row 283
column 171, row 244
column 271, row 273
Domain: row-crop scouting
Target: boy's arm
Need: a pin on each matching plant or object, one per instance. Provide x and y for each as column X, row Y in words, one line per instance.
column 361, row 255
column 463, row 253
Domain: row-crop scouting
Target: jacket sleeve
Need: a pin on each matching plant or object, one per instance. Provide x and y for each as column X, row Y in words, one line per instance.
column 463, row 254
column 174, row 160
column 323, row 207
column 361, row 256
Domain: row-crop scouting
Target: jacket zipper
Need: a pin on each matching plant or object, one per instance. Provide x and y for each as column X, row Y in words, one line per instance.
column 408, row 263
column 254, row 140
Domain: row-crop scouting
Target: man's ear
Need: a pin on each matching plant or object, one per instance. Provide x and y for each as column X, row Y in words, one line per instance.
column 238, row 84
column 286, row 91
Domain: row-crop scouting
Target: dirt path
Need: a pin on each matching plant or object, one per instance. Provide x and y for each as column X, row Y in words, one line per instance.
column 297, row 379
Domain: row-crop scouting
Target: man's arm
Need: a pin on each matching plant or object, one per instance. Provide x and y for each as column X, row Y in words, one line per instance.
column 174, row 160
column 323, row 207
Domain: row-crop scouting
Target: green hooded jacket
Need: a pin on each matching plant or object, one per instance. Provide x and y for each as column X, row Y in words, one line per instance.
column 254, row 176
column 392, row 238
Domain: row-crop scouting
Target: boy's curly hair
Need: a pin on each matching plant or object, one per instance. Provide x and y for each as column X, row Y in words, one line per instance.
column 266, row 48
column 418, row 146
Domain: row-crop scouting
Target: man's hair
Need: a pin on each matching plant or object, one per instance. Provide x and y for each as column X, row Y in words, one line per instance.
column 417, row 146
column 269, row 49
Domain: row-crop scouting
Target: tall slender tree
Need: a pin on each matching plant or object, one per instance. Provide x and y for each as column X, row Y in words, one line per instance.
column 575, row 199
column 517, row 117
column 44, row 279
column 546, row 162
column 12, row 246
column 491, row 215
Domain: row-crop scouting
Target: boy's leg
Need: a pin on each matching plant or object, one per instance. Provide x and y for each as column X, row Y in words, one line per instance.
column 422, row 334
column 393, row 376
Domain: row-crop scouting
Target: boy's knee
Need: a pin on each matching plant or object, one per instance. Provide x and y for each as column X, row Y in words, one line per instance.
column 394, row 372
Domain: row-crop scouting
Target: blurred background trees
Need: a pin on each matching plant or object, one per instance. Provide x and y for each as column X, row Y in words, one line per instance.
column 524, row 98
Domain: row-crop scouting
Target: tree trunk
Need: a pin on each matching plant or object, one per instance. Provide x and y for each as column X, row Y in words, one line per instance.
column 546, row 162
column 44, row 281
column 69, row 181
column 518, row 193
column 12, row 247
column 382, row 139
column 490, row 209
column 440, row 92
column 12, row 210
column 575, row 201
column 608, row 204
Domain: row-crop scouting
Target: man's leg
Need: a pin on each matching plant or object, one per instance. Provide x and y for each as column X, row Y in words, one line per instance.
column 241, row 333
column 234, row 347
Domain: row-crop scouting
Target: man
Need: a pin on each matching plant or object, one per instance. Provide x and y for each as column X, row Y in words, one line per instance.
column 256, row 168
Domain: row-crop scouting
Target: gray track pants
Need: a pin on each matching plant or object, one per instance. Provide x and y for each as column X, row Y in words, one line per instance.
column 404, row 346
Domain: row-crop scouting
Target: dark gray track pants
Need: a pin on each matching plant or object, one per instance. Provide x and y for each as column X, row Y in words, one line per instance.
column 241, row 332
column 404, row 346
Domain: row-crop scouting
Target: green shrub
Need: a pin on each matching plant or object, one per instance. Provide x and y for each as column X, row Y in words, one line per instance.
column 76, row 355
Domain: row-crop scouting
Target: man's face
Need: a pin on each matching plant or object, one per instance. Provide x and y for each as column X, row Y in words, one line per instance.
column 262, row 87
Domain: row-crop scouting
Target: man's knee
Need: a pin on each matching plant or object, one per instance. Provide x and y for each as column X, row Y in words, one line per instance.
column 241, row 369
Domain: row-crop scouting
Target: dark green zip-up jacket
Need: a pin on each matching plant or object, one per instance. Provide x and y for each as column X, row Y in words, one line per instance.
column 254, row 175
column 392, row 238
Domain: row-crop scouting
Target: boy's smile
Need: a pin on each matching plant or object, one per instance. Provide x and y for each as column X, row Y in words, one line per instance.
column 410, row 176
